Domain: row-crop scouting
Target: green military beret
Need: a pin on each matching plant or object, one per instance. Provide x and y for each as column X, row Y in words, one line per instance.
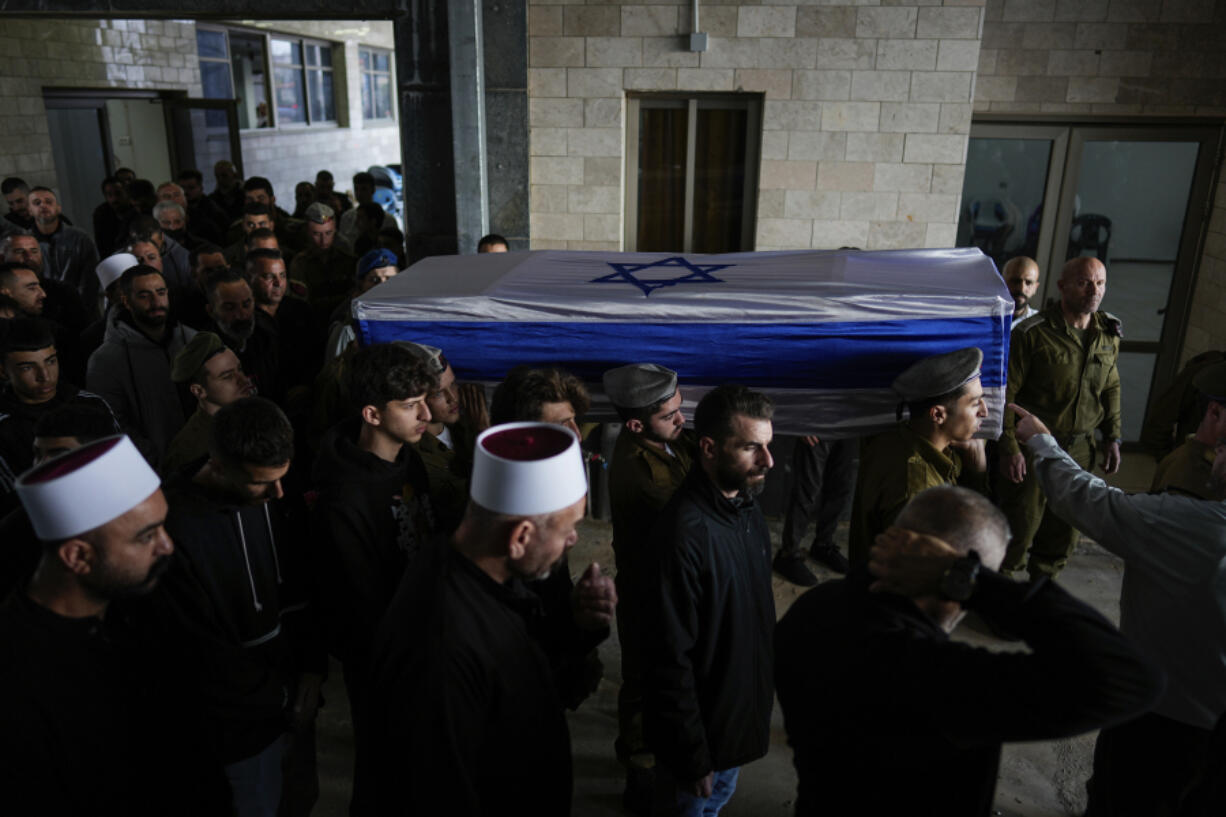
column 938, row 374
column 639, row 385
column 320, row 213
column 192, row 356
column 432, row 356
column 1211, row 382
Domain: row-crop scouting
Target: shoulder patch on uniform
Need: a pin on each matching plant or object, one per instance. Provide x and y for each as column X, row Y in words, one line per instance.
column 1115, row 326
column 1030, row 323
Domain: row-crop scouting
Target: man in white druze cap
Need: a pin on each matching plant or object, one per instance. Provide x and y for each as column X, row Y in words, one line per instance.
column 77, row 721
column 466, row 669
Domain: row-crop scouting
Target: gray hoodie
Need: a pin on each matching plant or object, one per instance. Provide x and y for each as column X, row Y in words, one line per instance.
column 132, row 373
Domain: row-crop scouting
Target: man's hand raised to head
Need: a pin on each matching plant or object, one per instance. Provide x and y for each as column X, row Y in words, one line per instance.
column 1028, row 425
column 908, row 563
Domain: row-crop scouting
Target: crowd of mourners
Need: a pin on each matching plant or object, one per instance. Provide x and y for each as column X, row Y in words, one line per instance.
column 212, row 494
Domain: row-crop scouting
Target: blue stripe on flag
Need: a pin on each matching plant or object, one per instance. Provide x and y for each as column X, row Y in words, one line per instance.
column 863, row 354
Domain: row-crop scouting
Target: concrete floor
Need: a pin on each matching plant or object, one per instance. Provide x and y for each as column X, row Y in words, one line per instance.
column 1040, row 779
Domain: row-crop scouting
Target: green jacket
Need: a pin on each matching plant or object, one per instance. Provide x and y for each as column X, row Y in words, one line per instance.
column 190, row 444
column 641, row 481
column 1188, row 470
column 896, row 465
column 328, row 276
column 1073, row 389
column 449, row 470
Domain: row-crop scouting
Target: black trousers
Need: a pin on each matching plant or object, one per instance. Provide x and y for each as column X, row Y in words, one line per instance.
column 823, row 479
column 1147, row 767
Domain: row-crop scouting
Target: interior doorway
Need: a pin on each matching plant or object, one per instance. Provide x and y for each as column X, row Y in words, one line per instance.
column 1133, row 195
column 94, row 132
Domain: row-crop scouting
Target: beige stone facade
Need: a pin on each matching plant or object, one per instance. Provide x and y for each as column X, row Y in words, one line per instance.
column 161, row 55
column 865, row 120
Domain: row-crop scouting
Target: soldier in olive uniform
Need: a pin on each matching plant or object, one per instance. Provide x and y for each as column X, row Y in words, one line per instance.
column 326, row 266
column 1188, row 469
column 1177, row 412
column 446, row 447
column 935, row 446
column 651, row 458
column 1062, row 368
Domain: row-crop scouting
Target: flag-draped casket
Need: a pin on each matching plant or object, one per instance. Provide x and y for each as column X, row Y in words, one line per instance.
column 823, row 333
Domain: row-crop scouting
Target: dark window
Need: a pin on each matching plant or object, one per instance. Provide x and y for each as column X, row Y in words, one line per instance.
column 695, row 165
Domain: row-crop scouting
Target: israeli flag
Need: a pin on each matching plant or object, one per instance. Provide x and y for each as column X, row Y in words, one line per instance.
column 823, row 333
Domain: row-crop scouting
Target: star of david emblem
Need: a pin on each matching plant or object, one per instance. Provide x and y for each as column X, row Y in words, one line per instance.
column 695, row 274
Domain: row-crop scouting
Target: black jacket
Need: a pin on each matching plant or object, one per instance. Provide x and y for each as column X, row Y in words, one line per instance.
column 370, row 518
column 88, row 724
column 235, row 623
column 707, row 652
column 469, row 719
column 887, row 715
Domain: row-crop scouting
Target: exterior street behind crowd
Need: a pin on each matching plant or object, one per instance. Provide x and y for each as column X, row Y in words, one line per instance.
column 1041, row 779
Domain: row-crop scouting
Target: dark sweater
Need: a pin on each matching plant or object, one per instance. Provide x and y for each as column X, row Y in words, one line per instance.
column 470, row 722
column 227, row 605
column 886, row 715
column 371, row 517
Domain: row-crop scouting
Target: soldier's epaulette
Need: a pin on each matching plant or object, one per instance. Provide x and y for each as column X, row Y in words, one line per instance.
column 1115, row 326
column 1030, row 323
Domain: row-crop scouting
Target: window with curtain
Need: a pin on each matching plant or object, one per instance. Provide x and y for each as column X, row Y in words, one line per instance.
column 693, row 163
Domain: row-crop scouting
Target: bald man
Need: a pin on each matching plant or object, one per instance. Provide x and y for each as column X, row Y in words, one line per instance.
column 1021, row 275
column 1062, row 368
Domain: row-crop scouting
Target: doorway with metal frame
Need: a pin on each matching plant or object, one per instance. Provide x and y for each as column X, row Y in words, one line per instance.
column 1133, row 194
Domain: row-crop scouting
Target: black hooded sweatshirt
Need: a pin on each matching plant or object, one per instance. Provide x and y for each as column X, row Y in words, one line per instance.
column 371, row 517
column 233, row 622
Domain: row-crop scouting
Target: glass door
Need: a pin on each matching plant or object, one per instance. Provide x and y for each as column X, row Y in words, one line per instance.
column 202, row 132
column 1133, row 196
column 1011, row 189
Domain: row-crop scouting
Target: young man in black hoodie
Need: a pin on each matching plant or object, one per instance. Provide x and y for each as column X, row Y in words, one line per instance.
column 234, row 601
column 372, row 514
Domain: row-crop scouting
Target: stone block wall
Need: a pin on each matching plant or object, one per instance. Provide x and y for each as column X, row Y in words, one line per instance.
column 1124, row 58
column 1103, row 57
column 865, row 122
column 80, row 54
column 161, row 54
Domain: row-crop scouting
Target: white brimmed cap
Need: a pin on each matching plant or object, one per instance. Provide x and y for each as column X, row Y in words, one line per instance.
column 85, row 488
column 110, row 268
column 527, row 469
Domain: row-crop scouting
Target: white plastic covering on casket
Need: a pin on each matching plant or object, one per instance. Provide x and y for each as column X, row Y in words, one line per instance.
column 824, row 333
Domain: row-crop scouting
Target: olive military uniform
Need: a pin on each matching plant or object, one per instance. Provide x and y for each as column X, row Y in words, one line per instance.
column 190, row 444
column 1188, row 470
column 1072, row 384
column 895, row 466
column 1175, row 413
column 641, row 481
column 449, row 470
column 329, row 277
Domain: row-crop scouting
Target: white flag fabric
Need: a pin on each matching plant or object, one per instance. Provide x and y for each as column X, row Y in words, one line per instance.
column 823, row 333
